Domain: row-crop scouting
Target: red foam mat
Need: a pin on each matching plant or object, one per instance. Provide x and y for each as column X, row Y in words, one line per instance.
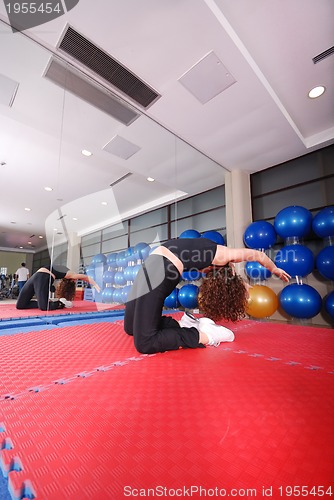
column 8, row 311
column 254, row 414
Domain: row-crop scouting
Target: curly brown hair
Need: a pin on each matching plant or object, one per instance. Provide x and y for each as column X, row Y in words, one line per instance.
column 223, row 295
column 66, row 289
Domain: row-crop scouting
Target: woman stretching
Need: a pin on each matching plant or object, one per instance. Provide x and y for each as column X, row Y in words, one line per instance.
column 223, row 294
column 41, row 283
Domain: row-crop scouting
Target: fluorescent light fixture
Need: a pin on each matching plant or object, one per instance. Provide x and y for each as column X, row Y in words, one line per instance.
column 85, row 152
column 316, row 92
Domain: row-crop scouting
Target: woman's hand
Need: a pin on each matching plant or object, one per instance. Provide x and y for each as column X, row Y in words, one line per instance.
column 283, row 275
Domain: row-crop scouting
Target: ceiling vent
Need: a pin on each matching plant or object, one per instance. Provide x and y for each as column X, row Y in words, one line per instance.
column 91, row 56
column 121, row 147
column 73, row 81
column 207, row 78
column 323, row 55
column 121, row 179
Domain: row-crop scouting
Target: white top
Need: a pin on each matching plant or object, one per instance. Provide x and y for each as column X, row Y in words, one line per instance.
column 22, row 274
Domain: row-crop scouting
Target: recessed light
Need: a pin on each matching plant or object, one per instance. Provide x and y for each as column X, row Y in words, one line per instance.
column 316, row 92
column 48, row 188
column 74, row 218
column 29, row 243
column 40, row 237
column 27, row 209
column 150, row 179
column 85, row 152
column 21, row 248
column 104, row 203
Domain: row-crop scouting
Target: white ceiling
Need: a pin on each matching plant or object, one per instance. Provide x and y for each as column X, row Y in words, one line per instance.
column 263, row 119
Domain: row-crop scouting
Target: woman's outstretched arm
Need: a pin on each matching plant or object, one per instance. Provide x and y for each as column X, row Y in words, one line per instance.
column 225, row 255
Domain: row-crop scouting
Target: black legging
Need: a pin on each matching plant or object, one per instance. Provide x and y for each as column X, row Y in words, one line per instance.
column 143, row 318
column 39, row 285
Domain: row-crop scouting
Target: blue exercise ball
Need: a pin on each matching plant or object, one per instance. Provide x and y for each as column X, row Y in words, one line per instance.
column 188, row 296
column 117, row 295
column 142, row 250
column 214, row 236
column 108, row 276
column 128, row 273
column 119, row 278
column 121, row 259
column 294, row 221
column 111, row 258
column 107, row 295
column 90, row 271
column 323, row 222
column 296, row 260
column 255, row 271
column 98, row 258
column 190, row 233
column 329, row 304
column 172, row 301
column 325, row 262
column 124, row 293
column 260, row 235
column 191, row 275
column 300, row 301
column 135, row 271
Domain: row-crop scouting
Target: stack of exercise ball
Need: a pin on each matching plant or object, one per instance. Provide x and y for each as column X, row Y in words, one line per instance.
column 299, row 300
column 115, row 272
column 186, row 294
column 263, row 301
column 323, row 226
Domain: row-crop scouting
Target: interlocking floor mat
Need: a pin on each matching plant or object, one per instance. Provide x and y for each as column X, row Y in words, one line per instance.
column 84, row 415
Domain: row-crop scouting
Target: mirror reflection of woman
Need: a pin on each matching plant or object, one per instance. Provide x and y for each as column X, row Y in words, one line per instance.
column 40, row 284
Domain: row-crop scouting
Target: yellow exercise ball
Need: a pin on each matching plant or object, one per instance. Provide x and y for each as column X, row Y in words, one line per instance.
column 262, row 302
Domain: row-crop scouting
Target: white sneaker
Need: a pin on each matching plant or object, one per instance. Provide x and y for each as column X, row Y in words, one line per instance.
column 189, row 321
column 215, row 333
column 67, row 303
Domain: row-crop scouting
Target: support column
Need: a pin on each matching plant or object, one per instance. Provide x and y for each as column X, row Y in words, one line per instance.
column 238, row 206
column 73, row 252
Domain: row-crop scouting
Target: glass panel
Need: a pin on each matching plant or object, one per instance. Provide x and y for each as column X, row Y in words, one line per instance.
column 93, row 198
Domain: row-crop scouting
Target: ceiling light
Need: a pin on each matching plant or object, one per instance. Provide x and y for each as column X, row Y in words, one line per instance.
column 85, row 152
column 150, row 179
column 316, row 92
column 29, row 243
column 74, row 218
column 104, row 203
column 48, row 188
column 21, row 247
column 27, row 209
column 40, row 237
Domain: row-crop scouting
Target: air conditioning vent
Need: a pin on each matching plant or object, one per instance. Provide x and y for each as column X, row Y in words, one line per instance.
column 74, row 82
column 84, row 51
column 323, row 55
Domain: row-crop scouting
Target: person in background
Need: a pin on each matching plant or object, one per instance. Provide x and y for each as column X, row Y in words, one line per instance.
column 22, row 275
column 40, row 284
